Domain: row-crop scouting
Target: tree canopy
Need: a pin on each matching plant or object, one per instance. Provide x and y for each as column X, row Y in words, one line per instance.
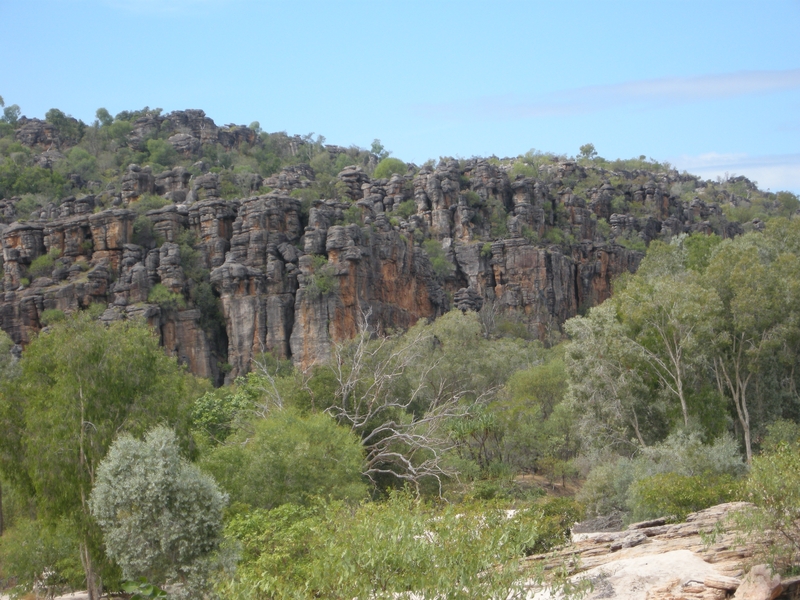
column 81, row 384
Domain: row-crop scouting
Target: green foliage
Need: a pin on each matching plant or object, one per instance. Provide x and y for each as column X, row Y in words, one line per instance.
column 140, row 589
column 774, row 487
column 674, row 495
column 780, row 432
column 166, row 299
column 33, row 552
column 388, row 167
column 403, row 393
column 216, row 413
column 588, row 152
column 486, row 250
column 212, row 317
column 80, row 162
column 42, row 266
column 147, row 202
column 540, row 428
column 603, row 229
column 498, row 219
column 699, row 248
column 529, row 165
column 114, row 377
column 378, row 149
column 161, row 152
column 104, row 117
column 405, row 209
column 191, row 259
column 631, row 241
column 323, row 278
column 18, row 178
column 11, row 114
column 144, row 234
column 161, row 517
column 521, row 169
column 615, row 485
column 555, row 236
column 392, row 548
column 51, row 316
column 352, row 215
column 440, row 264
column 286, row 457
column 68, row 128
column 788, row 203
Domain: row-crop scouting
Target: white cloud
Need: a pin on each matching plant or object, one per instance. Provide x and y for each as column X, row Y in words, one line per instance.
column 648, row 93
column 774, row 172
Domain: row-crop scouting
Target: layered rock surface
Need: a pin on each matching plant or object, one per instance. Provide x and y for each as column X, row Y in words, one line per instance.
column 703, row 558
column 294, row 279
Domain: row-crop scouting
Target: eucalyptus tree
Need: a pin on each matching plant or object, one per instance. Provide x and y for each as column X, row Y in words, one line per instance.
column 757, row 278
column 607, row 387
column 82, row 383
column 669, row 321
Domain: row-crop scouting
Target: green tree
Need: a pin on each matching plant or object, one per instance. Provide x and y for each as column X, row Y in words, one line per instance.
column 11, row 114
column 757, row 277
column 669, row 320
column 400, row 547
column 774, row 488
column 588, row 151
column 608, row 389
column 68, row 127
column 286, row 457
column 401, row 394
column 161, row 517
column 162, row 152
column 10, row 442
column 378, row 149
column 83, row 383
column 388, row 167
column 104, row 117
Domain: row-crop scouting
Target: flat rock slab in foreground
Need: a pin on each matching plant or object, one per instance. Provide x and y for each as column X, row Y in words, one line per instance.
column 657, row 561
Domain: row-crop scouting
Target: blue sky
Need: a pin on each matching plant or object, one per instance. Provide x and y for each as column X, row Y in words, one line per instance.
column 710, row 86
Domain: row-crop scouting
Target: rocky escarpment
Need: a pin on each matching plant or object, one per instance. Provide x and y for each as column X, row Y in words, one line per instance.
column 223, row 279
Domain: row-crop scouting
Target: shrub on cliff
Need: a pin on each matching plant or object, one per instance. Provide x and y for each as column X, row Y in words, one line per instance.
column 441, row 265
column 166, row 299
column 323, row 280
column 42, row 266
column 388, row 167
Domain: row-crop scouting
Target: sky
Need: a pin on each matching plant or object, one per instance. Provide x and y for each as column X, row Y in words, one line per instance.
column 712, row 87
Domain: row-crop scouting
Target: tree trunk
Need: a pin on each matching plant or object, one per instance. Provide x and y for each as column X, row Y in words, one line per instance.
column 1, row 509
column 92, row 579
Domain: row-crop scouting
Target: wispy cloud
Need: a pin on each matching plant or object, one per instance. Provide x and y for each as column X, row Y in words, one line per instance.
column 646, row 93
column 776, row 172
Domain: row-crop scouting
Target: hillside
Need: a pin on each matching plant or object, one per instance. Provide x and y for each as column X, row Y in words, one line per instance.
column 232, row 241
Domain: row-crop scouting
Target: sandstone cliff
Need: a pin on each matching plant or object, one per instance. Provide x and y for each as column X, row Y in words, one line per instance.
column 223, row 279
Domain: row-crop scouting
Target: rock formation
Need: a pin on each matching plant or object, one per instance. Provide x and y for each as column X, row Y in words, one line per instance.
column 702, row 558
column 223, row 279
